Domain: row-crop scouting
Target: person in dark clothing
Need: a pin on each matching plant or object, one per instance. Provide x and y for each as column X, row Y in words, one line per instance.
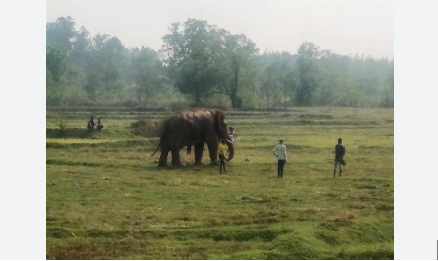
column 91, row 124
column 99, row 124
column 222, row 149
column 339, row 157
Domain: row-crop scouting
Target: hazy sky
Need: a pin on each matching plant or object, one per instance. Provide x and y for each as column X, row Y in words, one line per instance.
column 343, row 26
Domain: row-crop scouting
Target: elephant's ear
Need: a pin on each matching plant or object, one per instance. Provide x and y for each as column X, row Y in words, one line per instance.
column 220, row 117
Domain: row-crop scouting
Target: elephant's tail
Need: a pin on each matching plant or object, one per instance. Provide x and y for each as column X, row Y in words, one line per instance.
column 160, row 143
column 156, row 149
column 163, row 134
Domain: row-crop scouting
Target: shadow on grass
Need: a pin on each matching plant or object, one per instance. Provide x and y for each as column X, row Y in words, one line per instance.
column 73, row 133
column 147, row 144
column 240, row 235
column 146, row 166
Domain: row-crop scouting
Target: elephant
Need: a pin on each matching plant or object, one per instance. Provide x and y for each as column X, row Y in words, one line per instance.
column 194, row 127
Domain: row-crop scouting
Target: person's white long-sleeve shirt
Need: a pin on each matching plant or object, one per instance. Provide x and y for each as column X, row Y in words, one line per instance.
column 280, row 150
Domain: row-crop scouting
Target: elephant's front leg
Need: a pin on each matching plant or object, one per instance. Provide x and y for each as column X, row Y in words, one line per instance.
column 199, row 150
column 212, row 149
column 176, row 161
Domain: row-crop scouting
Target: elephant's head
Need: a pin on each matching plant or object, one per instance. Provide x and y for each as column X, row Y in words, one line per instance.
column 222, row 132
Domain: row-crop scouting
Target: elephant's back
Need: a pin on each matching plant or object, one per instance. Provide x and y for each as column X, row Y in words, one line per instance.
column 182, row 126
column 197, row 115
column 189, row 124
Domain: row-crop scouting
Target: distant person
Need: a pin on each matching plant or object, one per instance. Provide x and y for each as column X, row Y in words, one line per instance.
column 232, row 134
column 99, row 124
column 222, row 149
column 339, row 157
column 280, row 152
column 91, row 124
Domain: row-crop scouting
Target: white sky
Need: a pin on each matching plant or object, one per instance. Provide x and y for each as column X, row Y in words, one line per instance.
column 343, row 26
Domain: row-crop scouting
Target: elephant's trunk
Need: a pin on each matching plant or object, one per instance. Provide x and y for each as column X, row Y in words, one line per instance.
column 230, row 150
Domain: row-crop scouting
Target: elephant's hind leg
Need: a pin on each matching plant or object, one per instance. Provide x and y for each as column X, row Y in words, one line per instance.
column 199, row 150
column 176, row 161
column 163, row 158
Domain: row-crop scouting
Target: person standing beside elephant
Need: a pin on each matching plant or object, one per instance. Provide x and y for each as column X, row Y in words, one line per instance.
column 232, row 134
column 280, row 152
column 222, row 158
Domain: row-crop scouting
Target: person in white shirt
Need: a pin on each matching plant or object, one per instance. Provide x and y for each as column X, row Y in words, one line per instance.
column 232, row 134
column 280, row 152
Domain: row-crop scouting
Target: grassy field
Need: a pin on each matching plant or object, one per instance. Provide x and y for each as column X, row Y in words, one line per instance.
column 106, row 198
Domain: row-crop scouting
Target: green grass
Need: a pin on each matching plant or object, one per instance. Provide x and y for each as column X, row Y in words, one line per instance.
column 106, row 199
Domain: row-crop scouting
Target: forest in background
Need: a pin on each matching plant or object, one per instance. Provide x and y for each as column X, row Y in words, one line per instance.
column 200, row 64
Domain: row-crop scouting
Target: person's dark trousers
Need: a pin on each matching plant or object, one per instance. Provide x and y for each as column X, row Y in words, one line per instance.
column 281, row 168
column 222, row 163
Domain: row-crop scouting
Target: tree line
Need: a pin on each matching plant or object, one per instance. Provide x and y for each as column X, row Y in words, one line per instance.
column 201, row 64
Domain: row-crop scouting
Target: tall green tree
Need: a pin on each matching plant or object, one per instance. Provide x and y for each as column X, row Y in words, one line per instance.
column 237, row 52
column 81, row 45
column 332, row 71
column 56, row 61
column 113, row 55
column 193, row 55
column 95, row 67
column 104, row 65
column 211, row 65
column 62, row 33
column 388, row 100
column 59, row 37
column 279, row 78
column 308, row 53
column 148, row 74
